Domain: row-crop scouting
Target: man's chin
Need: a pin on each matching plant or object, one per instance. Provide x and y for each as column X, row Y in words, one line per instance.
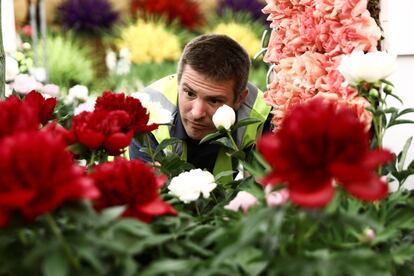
column 198, row 135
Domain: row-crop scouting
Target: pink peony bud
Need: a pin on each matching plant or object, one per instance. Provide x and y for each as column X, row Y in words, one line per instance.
column 276, row 198
column 243, row 200
column 369, row 234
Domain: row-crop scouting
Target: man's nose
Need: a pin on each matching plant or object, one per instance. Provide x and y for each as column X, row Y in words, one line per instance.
column 198, row 110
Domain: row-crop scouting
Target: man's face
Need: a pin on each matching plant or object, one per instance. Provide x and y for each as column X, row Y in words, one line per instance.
column 199, row 98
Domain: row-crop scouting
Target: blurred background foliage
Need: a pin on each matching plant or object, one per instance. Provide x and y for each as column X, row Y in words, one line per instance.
column 91, row 50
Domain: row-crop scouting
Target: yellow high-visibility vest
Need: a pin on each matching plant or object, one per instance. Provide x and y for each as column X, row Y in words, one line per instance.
column 165, row 91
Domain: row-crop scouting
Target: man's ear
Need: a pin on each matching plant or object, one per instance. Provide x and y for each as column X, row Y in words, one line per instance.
column 240, row 100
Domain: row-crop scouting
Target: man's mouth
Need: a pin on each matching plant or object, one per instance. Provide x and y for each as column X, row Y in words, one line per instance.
column 197, row 125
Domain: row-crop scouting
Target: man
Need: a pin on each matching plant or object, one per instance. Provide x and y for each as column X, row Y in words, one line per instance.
column 213, row 71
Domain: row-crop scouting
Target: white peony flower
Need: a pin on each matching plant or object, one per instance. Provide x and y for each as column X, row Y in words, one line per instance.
column 12, row 68
column 7, row 90
column 39, row 73
column 369, row 67
column 243, row 200
column 51, row 89
column 23, row 84
column 89, row 105
column 188, row 186
column 224, row 117
column 158, row 114
column 78, row 92
column 110, row 60
column 125, row 53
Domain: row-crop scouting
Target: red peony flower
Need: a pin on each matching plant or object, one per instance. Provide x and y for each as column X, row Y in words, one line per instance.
column 110, row 101
column 187, row 12
column 133, row 184
column 317, row 143
column 103, row 129
column 16, row 117
column 37, row 175
column 27, row 30
column 43, row 107
column 65, row 135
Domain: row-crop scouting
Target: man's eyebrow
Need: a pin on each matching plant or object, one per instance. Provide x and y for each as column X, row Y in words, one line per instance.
column 216, row 98
column 186, row 86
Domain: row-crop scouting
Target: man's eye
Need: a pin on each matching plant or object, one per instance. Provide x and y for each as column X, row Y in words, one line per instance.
column 189, row 93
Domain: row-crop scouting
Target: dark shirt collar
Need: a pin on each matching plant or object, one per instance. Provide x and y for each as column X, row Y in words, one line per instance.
column 178, row 129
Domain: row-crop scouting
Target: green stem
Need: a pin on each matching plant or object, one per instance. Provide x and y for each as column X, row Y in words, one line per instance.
column 151, row 152
column 214, row 197
column 58, row 234
column 197, row 209
column 91, row 162
column 233, row 143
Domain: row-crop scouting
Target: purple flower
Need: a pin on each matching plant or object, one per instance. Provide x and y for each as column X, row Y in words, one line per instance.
column 253, row 7
column 87, row 16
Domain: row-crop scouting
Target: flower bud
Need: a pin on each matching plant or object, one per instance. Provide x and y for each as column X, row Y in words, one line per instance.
column 369, row 234
column 224, row 117
column 388, row 89
column 243, row 201
column 373, row 93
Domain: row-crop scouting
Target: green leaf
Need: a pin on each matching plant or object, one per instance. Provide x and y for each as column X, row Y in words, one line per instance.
column 165, row 143
column 258, row 54
column 405, row 111
column 210, row 136
column 77, row 149
column 168, row 267
column 399, row 122
column 245, row 122
column 387, row 82
column 133, row 227
column 401, row 161
column 391, row 110
column 223, row 175
column 240, row 155
column 251, row 260
column 225, row 142
column 88, row 254
column 55, row 264
column 193, row 247
column 172, row 165
column 396, row 97
column 110, row 214
column 403, row 253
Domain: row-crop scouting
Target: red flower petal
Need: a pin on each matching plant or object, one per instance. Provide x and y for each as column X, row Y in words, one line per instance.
column 270, row 179
column 91, row 139
column 312, row 199
column 268, row 145
column 156, row 207
column 161, row 179
column 16, row 198
column 47, row 109
column 4, row 219
column 117, row 142
column 377, row 157
column 373, row 189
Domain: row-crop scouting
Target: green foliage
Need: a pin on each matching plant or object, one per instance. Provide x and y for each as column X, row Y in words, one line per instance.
column 140, row 76
column 206, row 239
column 68, row 62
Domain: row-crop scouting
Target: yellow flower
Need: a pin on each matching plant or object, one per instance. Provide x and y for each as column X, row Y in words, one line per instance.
column 242, row 34
column 150, row 42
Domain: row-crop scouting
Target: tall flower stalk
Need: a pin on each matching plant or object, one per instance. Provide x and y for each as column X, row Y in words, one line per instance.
column 367, row 73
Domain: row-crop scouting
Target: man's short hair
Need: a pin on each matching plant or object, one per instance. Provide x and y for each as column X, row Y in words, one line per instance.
column 219, row 58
